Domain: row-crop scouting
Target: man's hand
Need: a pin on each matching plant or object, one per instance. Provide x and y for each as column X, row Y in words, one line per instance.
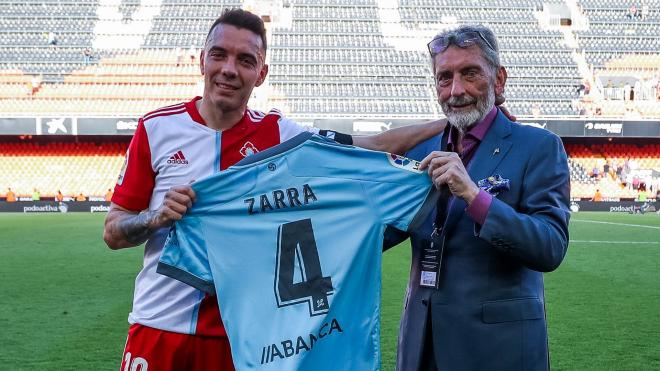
column 447, row 168
column 127, row 228
column 175, row 204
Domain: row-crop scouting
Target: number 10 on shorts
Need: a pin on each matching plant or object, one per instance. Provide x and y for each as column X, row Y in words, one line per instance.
column 296, row 243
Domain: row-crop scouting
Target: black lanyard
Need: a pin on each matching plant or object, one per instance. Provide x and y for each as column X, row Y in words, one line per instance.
column 431, row 257
column 445, row 194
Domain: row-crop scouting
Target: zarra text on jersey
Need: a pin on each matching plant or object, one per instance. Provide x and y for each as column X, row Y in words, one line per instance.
column 304, row 343
column 281, row 199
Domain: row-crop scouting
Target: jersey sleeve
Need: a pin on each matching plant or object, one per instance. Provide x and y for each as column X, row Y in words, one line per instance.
column 290, row 128
column 399, row 192
column 185, row 257
column 137, row 177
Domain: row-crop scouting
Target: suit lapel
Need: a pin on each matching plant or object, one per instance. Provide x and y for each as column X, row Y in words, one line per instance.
column 492, row 149
column 490, row 153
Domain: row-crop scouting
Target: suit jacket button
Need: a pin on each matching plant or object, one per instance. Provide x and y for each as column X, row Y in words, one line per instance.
column 425, row 302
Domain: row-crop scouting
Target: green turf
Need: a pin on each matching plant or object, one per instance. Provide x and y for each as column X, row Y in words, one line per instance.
column 65, row 296
column 603, row 303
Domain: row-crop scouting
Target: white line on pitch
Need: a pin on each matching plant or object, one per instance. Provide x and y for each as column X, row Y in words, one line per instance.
column 618, row 242
column 623, row 224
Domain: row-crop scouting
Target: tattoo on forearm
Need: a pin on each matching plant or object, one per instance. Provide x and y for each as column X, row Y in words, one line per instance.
column 136, row 228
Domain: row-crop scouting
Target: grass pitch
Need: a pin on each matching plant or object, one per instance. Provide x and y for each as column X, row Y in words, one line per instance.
column 65, row 296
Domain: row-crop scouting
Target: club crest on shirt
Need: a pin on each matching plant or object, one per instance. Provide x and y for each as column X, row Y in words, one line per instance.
column 404, row 163
column 248, row 149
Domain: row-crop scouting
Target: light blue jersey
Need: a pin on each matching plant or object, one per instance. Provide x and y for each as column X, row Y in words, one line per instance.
column 291, row 241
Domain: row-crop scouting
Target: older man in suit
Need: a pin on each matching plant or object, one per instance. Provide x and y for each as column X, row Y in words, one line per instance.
column 475, row 299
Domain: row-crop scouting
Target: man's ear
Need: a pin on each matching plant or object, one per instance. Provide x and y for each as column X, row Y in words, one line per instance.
column 201, row 62
column 262, row 75
column 500, row 80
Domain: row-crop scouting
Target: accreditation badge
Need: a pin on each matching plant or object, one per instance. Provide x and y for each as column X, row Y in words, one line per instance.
column 431, row 261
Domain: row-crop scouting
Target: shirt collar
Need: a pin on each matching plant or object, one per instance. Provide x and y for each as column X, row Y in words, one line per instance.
column 191, row 107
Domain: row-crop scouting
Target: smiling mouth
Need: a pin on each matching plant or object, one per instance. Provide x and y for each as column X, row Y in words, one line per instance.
column 461, row 106
column 225, row 86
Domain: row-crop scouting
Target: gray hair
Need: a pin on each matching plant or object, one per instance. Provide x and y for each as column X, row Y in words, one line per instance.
column 491, row 56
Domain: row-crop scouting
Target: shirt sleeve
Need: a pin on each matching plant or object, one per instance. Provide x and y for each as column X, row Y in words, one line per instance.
column 478, row 209
column 337, row 136
column 185, row 257
column 137, row 177
column 400, row 193
column 290, row 128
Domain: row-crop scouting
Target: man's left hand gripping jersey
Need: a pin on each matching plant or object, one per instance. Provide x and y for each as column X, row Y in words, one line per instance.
column 290, row 239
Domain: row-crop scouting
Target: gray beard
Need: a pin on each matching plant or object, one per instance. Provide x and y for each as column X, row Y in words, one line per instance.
column 462, row 121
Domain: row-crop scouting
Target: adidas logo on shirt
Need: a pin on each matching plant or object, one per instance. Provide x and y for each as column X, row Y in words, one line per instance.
column 178, row 159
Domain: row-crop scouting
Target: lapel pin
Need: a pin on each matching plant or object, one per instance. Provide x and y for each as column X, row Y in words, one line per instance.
column 496, row 151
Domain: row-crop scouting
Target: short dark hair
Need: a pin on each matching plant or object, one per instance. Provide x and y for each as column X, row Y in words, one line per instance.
column 240, row 18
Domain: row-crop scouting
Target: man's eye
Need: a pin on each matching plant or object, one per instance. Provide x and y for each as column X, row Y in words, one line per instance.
column 248, row 62
column 442, row 80
column 471, row 74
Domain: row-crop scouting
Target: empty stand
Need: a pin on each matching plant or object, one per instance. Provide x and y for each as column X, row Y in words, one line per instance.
column 345, row 43
column 320, row 53
column 70, row 167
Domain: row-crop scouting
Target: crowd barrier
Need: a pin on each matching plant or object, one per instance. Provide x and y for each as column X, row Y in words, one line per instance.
column 104, row 206
column 616, row 206
column 54, row 206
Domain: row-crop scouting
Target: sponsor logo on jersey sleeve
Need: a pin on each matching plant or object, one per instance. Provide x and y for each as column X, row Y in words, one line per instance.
column 404, row 163
column 248, row 149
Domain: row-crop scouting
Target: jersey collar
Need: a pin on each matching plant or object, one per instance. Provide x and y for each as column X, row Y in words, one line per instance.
column 191, row 108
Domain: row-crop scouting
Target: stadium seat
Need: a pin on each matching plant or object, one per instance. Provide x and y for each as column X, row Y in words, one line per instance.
column 70, row 167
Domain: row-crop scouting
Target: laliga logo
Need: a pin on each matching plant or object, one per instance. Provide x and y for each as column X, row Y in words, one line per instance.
column 400, row 160
column 403, row 163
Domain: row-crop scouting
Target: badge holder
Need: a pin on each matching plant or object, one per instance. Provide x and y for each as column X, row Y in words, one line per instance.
column 431, row 257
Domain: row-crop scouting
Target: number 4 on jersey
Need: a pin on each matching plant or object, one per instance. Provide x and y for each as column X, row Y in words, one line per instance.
column 296, row 242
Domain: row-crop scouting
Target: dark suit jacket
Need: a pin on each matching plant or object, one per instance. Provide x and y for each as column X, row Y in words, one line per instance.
column 488, row 313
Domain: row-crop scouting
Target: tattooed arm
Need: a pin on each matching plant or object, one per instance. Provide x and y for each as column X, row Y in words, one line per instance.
column 126, row 228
